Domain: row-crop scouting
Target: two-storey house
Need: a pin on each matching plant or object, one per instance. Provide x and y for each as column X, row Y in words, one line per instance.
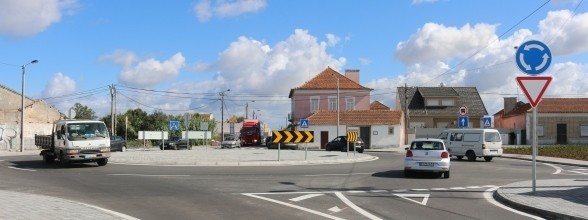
column 335, row 103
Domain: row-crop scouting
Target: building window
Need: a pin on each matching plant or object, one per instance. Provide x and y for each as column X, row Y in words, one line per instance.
column 390, row 130
column 583, row 130
column 332, row 103
column 314, row 103
column 539, row 130
column 349, row 103
column 432, row 102
column 448, row 102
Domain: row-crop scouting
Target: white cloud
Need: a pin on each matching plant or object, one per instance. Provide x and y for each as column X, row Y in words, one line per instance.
column 59, row 85
column 205, row 10
column 145, row 73
column 332, row 39
column 364, row 61
column 26, row 18
column 565, row 33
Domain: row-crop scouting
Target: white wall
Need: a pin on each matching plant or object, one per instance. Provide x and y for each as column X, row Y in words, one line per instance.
column 383, row 139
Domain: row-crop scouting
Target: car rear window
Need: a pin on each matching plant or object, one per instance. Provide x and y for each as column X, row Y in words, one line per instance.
column 426, row 145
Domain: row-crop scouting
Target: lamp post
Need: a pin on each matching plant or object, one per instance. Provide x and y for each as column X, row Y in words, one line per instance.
column 22, row 107
column 222, row 95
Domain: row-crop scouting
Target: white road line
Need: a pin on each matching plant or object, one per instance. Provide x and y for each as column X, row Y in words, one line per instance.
column 335, row 209
column 343, row 174
column 130, row 174
column 300, row 198
column 489, row 186
column 473, row 187
column 379, row 191
column 573, row 171
column 581, row 169
column 294, row 206
column 457, row 188
column 419, row 189
column 400, row 190
column 356, row 208
column 488, row 196
column 439, row 189
column 356, row 191
column 557, row 169
column 16, row 168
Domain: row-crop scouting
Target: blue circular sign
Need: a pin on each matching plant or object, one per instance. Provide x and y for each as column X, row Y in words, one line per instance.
column 533, row 57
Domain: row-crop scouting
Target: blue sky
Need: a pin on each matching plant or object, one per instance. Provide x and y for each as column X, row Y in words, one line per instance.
column 176, row 56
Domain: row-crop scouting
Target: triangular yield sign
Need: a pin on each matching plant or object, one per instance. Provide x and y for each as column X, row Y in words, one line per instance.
column 424, row 196
column 534, row 87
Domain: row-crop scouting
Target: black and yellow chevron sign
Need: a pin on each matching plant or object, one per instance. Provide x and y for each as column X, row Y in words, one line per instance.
column 293, row 136
column 352, row 136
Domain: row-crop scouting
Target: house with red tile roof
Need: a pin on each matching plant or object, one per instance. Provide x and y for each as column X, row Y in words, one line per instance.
column 334, row 104
column 559, row 121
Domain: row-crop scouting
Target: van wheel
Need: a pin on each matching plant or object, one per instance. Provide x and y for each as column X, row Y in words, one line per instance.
column 471, row 156
column 459, row 157
column 488, row 159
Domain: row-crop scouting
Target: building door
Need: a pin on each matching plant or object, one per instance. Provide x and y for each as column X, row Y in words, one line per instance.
column 364, row 133
column 324, row 139
column 562, row 134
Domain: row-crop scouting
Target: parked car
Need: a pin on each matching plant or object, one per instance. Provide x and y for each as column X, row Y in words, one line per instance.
column 231, row 142
column 270, row 145
column 427, row 155
column 117, row 143
column 340, row 144
column 176, row 143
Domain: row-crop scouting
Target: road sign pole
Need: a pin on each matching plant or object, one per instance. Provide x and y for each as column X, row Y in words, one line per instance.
column 534, row 148
column 279, row 151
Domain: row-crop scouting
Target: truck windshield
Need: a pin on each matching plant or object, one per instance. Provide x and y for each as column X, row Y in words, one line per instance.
column 249, row 131
column 86, row 131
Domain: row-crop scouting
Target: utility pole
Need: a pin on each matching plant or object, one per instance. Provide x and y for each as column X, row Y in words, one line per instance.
column 22, row 105
column 405, row 114
column 112, row 109
column 246, row 109
column 222, row 95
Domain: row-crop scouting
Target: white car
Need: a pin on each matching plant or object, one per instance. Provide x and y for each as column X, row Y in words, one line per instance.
column 427, row 155
column 231, row 142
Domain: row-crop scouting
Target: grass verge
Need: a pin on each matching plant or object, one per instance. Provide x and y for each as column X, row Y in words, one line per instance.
column 576, row 152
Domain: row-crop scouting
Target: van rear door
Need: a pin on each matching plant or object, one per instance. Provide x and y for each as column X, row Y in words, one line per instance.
column 492, row 143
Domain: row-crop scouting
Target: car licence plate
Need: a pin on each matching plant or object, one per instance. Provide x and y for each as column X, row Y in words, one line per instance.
column 426, row 164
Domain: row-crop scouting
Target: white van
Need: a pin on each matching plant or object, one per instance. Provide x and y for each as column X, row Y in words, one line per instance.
column 473, row 143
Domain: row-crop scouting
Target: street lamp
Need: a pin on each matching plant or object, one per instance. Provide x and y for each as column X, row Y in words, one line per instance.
column 22, row 107
column 337, row 103
column 222, row 95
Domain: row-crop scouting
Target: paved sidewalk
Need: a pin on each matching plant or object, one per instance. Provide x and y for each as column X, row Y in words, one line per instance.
column 553, row 199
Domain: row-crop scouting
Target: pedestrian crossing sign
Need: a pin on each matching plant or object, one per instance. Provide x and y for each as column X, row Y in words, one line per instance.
column 487, row 122
column 304, row 123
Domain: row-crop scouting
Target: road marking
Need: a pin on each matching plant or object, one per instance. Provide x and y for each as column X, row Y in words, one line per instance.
column 488, row 196
column 400, row 190
column 557, row 169
column 300, row 198
column 355, row 207
column 457, row 188
column 16, row 168
column 379, row 191
column 474, row 187
column 424, row 196
column 130, row 174
column 419, row 189
column 356, row 191
column 293, row 206
column 335, row 209
column 573, row 171
column 439, row 189
column 345, row 174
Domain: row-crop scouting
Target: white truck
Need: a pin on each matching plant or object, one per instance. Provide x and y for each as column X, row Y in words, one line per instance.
column 75, row 141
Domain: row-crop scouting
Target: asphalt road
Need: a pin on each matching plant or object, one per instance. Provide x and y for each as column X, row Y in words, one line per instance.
column 366, row 190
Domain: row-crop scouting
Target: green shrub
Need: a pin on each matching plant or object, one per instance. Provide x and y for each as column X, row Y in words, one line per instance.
column 576, row 152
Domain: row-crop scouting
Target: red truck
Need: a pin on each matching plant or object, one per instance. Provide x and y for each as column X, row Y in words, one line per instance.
column 251, row 133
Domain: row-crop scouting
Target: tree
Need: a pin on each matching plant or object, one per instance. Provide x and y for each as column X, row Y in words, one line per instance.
column 84, row 112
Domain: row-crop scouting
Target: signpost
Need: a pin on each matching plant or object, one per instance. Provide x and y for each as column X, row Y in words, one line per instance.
column 291, row 137
column 304, row 123
column 463, row 121
column 533, row 58
column 174, row 125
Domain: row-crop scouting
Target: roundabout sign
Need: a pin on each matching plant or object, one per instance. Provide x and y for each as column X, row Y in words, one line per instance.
column 533, row 57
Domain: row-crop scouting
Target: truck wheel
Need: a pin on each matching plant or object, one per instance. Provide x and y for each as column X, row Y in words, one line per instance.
column 471, row 156
column 102, row 162
column 62, row 161
column 48, row 158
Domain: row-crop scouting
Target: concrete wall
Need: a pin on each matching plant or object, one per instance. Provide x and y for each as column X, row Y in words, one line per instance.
column 379, row 137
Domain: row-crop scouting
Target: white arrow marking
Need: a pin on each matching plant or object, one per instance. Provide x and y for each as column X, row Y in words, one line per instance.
column 531, row 46
column 543, row 63
column 335, row 209
column 424, row 196
column 522, row 61
column 16, row 168
column 300, row 198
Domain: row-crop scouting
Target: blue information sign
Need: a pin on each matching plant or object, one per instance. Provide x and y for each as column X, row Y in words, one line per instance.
column 463, row 121
column 486, row 122
column 174, row 125
column 533, row 57
column 304, row 123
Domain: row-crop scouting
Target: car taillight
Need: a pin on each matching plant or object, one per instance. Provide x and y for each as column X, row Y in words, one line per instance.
column 408, row 153
column 445, row 154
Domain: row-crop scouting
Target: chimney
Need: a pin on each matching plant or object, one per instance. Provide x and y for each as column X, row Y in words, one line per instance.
column 352, row 74
column 509, row 104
